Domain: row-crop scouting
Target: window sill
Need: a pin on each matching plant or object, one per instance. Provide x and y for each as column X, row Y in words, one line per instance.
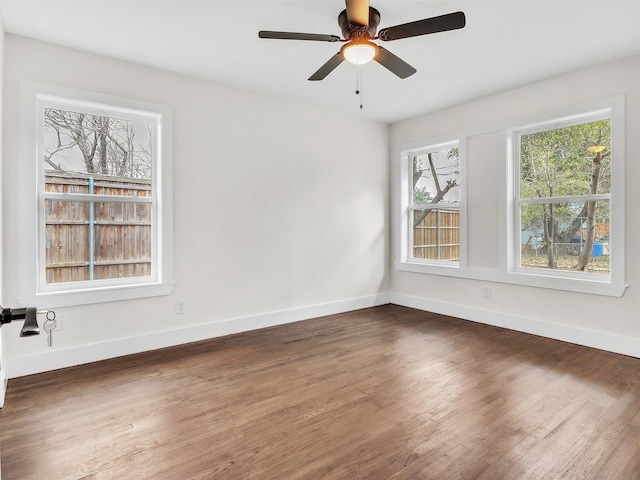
column 583, row 285
column 447, row 269
column 96, row 295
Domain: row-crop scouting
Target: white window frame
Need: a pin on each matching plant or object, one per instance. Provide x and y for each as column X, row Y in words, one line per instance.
column 35, row 97
column 404, row 239
column 612, row 284
column 508, row 224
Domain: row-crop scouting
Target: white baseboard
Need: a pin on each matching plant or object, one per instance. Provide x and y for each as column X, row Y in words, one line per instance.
column 580, row 336
column 55, row 359
column 3, row 388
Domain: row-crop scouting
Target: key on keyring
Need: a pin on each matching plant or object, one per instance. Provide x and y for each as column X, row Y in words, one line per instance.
column 49, row 326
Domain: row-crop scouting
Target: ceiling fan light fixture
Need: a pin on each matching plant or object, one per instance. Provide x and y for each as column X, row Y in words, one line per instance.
column 359, row 53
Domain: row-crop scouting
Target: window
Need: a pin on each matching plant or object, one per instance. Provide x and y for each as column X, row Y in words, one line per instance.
column 560, row 198
column 94, row 166
column 432, row 214
column 568, row 219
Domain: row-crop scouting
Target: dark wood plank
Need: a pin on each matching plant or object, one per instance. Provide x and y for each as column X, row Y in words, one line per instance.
column 381, row 393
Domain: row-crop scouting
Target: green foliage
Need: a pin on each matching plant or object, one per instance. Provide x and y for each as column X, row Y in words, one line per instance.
column 421, row 196
column 454, row 155
column 556, row 163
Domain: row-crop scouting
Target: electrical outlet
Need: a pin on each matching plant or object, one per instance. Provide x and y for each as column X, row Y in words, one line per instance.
column 487, row 292
column 181, row 306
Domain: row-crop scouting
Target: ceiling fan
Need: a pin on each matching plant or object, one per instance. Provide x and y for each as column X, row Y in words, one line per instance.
column 359, row 23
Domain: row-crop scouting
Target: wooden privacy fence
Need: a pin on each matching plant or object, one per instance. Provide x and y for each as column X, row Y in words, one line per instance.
column 437, row 237
column 118, row 234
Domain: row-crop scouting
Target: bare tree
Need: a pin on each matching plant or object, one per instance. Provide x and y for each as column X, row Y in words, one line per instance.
column 440, row 191
column 107, row 146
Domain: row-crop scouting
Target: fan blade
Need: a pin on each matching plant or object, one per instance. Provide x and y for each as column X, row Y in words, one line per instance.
column 358, row 12
column 298, row 36
column 328, row 67
column 393, row 63
column 443, row 23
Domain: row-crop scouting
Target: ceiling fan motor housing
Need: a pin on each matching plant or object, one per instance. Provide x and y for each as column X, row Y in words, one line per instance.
column 355, row 31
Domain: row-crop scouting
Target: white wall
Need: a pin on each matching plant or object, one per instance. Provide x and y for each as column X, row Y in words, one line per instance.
column 2, row 369
column 281, row 213
column 278, row 207
column 605, row 322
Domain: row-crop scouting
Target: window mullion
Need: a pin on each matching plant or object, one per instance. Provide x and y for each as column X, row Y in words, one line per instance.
column 81, row 197
column 568, row 199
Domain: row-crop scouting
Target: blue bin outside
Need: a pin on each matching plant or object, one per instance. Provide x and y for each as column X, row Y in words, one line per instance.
column 597, row 249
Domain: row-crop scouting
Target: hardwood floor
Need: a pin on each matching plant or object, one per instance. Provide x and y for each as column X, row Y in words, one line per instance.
column 381, row 393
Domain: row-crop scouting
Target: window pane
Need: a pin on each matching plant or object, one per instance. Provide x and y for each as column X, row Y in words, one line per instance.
column 97, row 155
column 436, row 177
column 92, row 145
column 564, row 161
column 566, row 236
column 122, row 240
column 93, row 241
column 66, row 241
column 436, row 234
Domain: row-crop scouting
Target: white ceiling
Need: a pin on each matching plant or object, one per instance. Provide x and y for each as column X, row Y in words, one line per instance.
column 505, row 44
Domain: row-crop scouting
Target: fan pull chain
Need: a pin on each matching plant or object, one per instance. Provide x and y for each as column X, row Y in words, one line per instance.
column 359, row 83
